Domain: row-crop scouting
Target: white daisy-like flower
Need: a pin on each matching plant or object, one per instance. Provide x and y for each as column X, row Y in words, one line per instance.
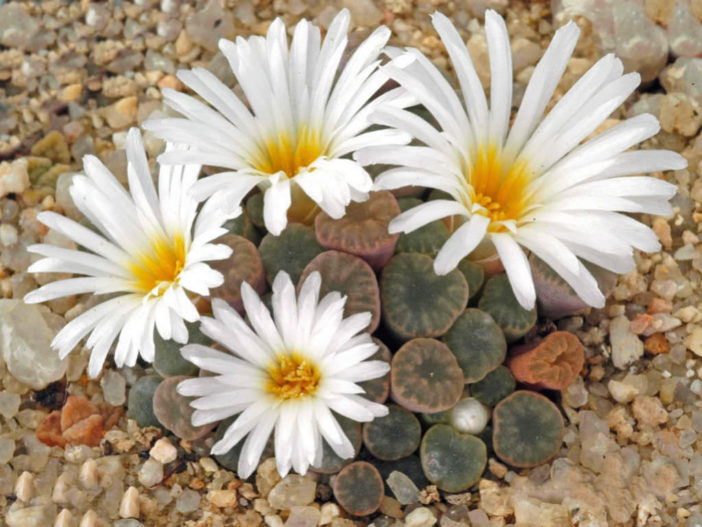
column 149, row 251
column 285, row 373
column 533, row 185
column 304, row 117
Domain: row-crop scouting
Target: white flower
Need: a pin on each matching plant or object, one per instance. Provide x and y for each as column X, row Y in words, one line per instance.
column 302, row 122
column 533, row 185
column 150, row 249
column 285, row 373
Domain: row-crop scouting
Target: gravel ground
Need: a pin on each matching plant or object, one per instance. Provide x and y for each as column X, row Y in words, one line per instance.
column 75, row 76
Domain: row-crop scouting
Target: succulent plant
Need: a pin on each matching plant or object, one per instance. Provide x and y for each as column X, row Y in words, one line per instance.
column 552, row 363
column 359, row 489
column 425, row 240
column 435, row 418
column 378, row 389
column 416, row 302
column 290, row 252
column 451, row 460
column 243, row 265
column 499, row 301
column 425, row 376
column 363, row 230
column 394, row 436
column 331, row 463
column 254, row 209
column 477, row 342
column 230, row 459
column 352, row 277
column 527, row 429
column 474, row 275
column 168, row 361
column 242, row 226
column 173, row 411
column 494, row 387
column 556, row 299
column 140, row 401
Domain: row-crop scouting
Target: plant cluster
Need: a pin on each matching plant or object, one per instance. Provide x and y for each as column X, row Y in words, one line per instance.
column 287, row 299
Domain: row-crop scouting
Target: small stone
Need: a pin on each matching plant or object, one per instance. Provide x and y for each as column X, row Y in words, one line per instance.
column 49, row 430
column 656, row 344
column 88, row 432
column 7, row 449
column 403, row 488
column 27, row 331
column 391, row 507
column 172, row 82
column 530, row 511
column 17, row 28
column 9, row 404
column 114, row 388
column 222, row 498
column 122, row 113
column 154, row 61
column 72, row 92
column 684, row 75
column 494, row 499
column 64, row 519
column 188, row 501
column 163, row 451
column 291, row 491
column 420, row 517
column 469, row 416
column 14, row 177
column 662, row 229
column 693, row 341
column 680, row 113
column 24, row 487
column 32, row 516
column 89, row 519
column 208, row 25
column 8, row 234
column 151, row 473
column 525, row 53
column 621, row 392
column 364, row 13
column 330, row 510
column 648, row 411
column 53, row 146
column 88, row 475
column 303, row 517
column 129, row 506
column 496, row 468
column 626, row 346
column 183, row 44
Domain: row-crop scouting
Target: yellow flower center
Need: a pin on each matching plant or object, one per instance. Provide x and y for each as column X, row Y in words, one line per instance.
column 290, row 154
column 500, row 190
column 155, row 270
column 292, row 376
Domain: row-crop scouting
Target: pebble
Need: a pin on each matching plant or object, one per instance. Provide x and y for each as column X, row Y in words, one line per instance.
column 470, row 416
column 32, row 516
column 530, row 511
column 331, row 510
column 7, row 449
column 89, row 519
column 626, row 346
column 403, row 488
column 291, row 491
column 26, row 343
column 88, row 475
column 24, row 487
column 163, row 451
column 151, row 473
column 222, row 498
column 420, row 517
column 17, row 28
column 364, row 13
column 64, row 519
column 9, row 404
column 303, row 517
column 13, row 177
column 122, row 113
column 648, row 411
column 208, row 25
column 188, row 501
column 621, row 392
column 693, row 341
column 114, row 388
column 129, row 505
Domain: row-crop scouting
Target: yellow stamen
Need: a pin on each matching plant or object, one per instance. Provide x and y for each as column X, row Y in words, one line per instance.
column 290, row 154
column 500, row 190
column 155, row 270
column 292, row 376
